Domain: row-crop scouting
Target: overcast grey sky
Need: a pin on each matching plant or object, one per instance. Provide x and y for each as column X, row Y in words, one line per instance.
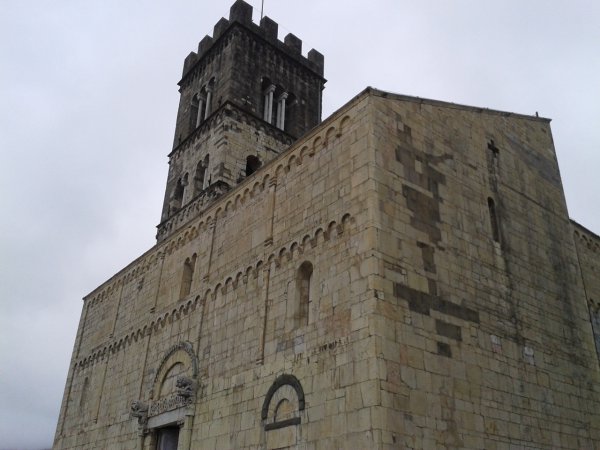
column 88, row 99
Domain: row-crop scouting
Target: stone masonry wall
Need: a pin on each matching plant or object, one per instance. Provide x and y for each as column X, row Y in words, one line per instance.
column 225, row 140
column 312, row 204
column 484, row 335
column 588, row 253
column 446, row 310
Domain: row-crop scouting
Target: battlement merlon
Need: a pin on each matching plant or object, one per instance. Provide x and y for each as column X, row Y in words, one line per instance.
column 241, row 13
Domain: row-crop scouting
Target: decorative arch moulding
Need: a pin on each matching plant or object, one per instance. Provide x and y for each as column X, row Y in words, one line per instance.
column 587, row 241
column 276, row 169
column 188, row 349
column 269, row 414
column 285, row 253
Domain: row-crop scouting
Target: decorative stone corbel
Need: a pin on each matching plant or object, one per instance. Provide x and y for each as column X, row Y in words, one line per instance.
column 139, row 410
column 186, row 386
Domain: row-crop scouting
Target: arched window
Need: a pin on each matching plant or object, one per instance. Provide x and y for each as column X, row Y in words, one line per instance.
column 208, row 98
column 268, row 91
column 284, row 101
column 194, row 118
column 177, row 197
column 287, row 113
column 200, row 177
column 493, row 220
column 84, row 394
column 275, row 101
column 201, row 106
column 252, row 164
column 303, row 294
column 187, row 276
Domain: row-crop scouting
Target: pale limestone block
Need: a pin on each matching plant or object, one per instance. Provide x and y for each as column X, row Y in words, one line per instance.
column 418, row 403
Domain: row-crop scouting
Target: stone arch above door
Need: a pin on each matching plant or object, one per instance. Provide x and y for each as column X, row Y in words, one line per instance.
column 181, row 353
column 172, row 394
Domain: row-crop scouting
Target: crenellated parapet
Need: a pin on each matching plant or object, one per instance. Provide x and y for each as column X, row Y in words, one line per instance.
column 241, row 14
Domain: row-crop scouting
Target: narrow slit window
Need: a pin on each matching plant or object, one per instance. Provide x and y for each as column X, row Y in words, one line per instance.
column 187, row 276
column 208, row 98
column 493, row 220
column 177, row 197
column 202, row 106
column 84, row 394
column 194, row 118
column 303, row 289
column 493, row 161
column 252, row 164
column 200, row 177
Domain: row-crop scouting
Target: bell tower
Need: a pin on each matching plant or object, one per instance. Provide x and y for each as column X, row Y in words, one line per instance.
column 245, row 97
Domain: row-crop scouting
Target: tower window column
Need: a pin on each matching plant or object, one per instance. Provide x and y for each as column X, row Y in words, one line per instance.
column 195, row 106
column 200, row 113
column 209, row 92
column 281, row 110
column 268, row 114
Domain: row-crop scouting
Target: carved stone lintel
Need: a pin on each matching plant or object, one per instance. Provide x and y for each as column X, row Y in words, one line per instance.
column 169, row 403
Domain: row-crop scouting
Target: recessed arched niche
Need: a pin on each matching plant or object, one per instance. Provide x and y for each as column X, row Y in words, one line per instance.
column 282, row 412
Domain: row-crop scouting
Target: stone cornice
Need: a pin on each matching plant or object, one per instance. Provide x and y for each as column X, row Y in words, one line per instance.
column 191, row 209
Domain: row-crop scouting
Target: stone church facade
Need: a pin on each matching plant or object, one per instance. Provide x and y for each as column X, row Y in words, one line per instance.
column 401, row 275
